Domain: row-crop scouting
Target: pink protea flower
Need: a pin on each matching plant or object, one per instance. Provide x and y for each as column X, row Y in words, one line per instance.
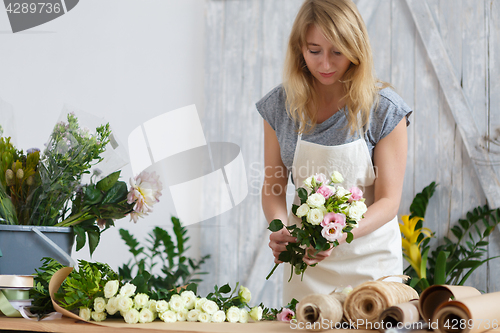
column 332, row 231
column 333, row 218
column 145, row 191
column 356, row 194
column 325, row 191
column 285, row 315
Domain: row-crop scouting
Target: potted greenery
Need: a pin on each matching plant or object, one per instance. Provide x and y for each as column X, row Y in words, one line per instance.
column 44, row 201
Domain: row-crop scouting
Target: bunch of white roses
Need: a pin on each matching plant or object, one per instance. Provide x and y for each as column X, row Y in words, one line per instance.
column 186, row 306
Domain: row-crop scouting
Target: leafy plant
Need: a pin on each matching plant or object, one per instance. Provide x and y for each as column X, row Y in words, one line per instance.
column 41, row 303
column 79, row 289
column 178, row 269
column 103, row 202
column 452, row 262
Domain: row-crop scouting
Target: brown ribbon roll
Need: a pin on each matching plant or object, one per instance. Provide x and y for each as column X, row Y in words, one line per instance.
column 468, row 315
column 436, row 295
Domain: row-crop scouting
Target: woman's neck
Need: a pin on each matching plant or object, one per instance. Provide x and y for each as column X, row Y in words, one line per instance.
column 330, row 100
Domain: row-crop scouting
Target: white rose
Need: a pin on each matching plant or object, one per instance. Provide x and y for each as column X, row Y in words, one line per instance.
column 190, row 298
column 303, row 210
column 140, row 301
column 182, row 315
column 193, row 315
column 84, row 313
column 256, row 313
column 124, row 304
column 112, row 306
column 99, row 304
column 111, row 288
column 199, row 303
column 162, row 306
column 151, row 305
column 128, row 290
column 316, row 200
column 245, row 294
column 341, row 192
column 315, row 216
column 204, row 317
column 356, row 210
column 210, row 307
column 176, row 303
column 337, row 177
column 219, row 316
column 244, row 316
column 131, row 316
column 146, row 316
column 233, row 314
column 168, row 316
column 98, row 316
column 308, row 182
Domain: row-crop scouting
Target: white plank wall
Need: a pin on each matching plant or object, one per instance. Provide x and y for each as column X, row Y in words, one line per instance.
column 245, row 46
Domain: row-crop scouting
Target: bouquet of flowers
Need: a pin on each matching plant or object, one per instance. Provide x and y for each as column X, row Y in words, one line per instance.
column 96, row 292
column 48, row 189
column 327, row 211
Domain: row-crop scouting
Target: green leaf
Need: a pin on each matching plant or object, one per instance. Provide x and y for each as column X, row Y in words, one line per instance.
column 421, row 200
column 275, row 225
column 117, row 193
column 92, row 195
column 350, row 237
column 94, row 237
column 302, row 194
column 108, row 182
column 440, row 269
column 80, row 237
column 225, row 289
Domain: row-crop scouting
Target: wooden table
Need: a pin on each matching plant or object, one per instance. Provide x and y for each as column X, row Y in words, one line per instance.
column 119, row 326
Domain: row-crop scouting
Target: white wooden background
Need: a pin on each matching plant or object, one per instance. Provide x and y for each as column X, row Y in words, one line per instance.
column 245, row 45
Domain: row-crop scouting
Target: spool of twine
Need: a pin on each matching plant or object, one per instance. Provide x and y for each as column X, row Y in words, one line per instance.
column 317, row 309
column 367, row 301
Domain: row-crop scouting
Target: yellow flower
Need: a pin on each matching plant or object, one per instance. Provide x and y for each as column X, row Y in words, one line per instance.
column 409, row 238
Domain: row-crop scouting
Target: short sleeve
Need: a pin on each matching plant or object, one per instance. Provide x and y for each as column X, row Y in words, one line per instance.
column 271, row 106
column 387, row 115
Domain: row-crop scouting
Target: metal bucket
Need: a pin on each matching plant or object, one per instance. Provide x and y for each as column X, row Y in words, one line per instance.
column 23, row 247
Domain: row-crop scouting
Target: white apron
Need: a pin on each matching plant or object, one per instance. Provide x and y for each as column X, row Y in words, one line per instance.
column 366, row 258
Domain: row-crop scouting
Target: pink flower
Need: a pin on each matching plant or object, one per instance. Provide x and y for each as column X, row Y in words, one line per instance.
column 285, row 315
column 332, row 231
column 145, row 191
column 320, row 178
column 356, row 194
column 333, row 218
column 325, row 191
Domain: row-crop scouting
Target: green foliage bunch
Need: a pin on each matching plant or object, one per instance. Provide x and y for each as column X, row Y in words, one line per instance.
column 453, row 261
column 177, row 268
column 79, row 289
column 70, row 153
column 19, row 178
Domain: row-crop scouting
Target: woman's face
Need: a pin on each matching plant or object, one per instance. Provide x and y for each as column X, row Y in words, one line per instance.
column 323, row 59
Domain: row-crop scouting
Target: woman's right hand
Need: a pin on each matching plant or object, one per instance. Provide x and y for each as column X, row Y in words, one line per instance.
column 278, row 241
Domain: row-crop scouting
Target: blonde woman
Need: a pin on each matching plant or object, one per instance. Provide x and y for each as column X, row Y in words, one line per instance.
column 331, row 113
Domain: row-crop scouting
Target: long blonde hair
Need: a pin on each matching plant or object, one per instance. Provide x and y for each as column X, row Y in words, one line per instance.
column 342, row 25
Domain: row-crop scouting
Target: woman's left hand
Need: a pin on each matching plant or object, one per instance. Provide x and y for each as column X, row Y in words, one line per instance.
column 312, row 259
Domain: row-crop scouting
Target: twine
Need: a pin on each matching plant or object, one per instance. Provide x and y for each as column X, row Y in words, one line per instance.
column 317, row 308
column 366, row 302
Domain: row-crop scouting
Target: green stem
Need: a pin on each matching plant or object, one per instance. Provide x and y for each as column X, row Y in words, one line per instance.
column 73, row 220
column 272, row 271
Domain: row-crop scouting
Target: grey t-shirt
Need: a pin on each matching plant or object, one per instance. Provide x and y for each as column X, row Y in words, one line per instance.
column 333, row 131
